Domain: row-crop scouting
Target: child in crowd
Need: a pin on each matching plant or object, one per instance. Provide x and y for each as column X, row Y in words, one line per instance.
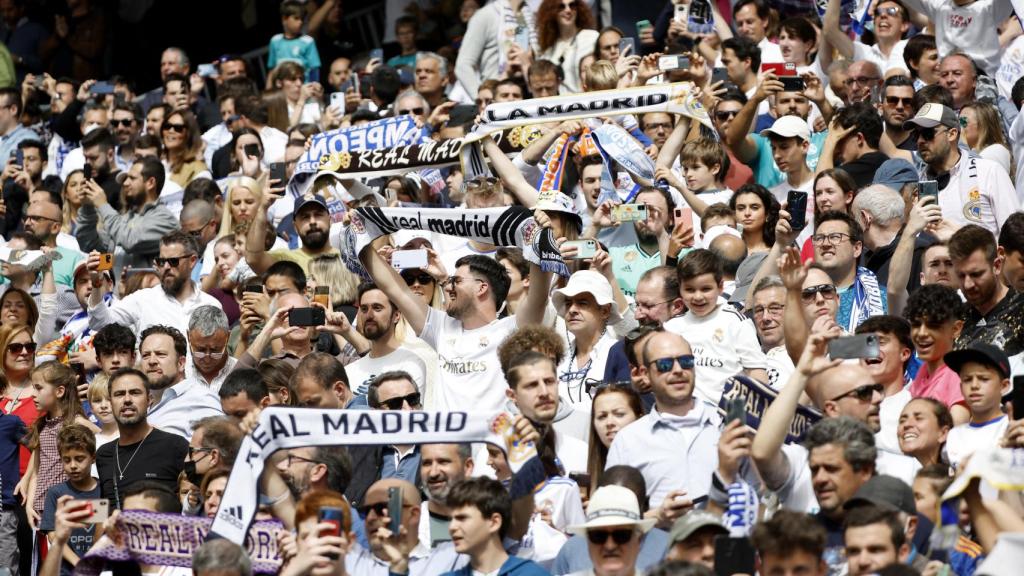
column 929, row 484
column 934, row 315
column 292, row 44
column 77, row 447
column 704, row 163
column 99, row 399
column 724, row 342
column 984, row 378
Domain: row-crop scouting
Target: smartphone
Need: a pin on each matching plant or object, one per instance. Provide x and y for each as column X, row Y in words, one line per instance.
column 796, row 205
column 346, row 86
column 395, row 509
column 627, row 44
column 207, row 71
column 277, row 172
column 102, row 88
column 335, row 517
column 402, row 259
column 684, row 214
column 642, row 25
column 720, row 75
column 854, row 347
column 307, row 317
column 314, row 75
column 99, row 510
column 629, row 212
column 674, row 62
column 793, row 83
column 106, row 262
column 584, row 248
column 523, row 38
column 322, row 296
column 682, row 13
column 338, row 98
column 733, row 555
column 87, row 171
column 928, row 188
column 19, row 158
column 1017, row 397
column 780, row 68
column 736, row 409
column 251, row 150
column 254, row 288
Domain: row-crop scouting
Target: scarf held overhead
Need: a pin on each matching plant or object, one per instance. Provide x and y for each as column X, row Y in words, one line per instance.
column 281, row 428
column 383, row 133
column 511, row 226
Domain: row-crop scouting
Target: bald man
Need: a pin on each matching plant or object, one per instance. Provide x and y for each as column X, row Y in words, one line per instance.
column 732, row 251
column 403, row 553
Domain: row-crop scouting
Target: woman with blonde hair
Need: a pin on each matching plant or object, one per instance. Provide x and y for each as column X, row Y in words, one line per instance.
column 981, row 128
column 183, row 147
column 241, row 202
column 72, row 195
column 328, row 270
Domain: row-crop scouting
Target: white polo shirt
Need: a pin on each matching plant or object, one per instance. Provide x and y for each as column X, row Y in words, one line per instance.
column 873, row 54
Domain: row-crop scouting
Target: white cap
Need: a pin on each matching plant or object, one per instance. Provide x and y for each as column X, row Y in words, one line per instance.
column 584, row 282
column 789, row 127
column 613, row 506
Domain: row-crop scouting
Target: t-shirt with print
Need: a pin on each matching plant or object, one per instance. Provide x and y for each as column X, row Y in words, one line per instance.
column 364, row 370
column 1002, row 327
column 846, row 305
column 779, row 366
column 469, row 374
column 301, row 50
column 724, row 343
column 629, row 263
column 81, row 538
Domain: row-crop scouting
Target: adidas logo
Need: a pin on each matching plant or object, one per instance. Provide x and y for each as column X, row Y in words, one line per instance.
column 233, row 516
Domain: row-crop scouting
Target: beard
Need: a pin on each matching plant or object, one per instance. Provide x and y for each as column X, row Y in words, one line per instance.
column 459, row 308
column 297, row 486
column 439, row 495
column 172, row 285
column 314, row 239
column 374, row 332
column 140, row 416
column 163, row 382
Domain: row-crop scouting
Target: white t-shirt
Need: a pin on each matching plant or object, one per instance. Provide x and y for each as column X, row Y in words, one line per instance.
column 889, row 415
column 873, row 54
column 451, row 249
column 724, row 343
column 964, row 439
column 770, row 51
column 469, row 374
column 970, row 27
column 363, row 371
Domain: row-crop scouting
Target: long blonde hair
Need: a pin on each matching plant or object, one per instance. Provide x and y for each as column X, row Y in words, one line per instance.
column 70, row 212
column 227, row 222
column 328, row 270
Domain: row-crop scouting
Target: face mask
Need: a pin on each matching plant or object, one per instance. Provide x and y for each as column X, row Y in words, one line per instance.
column 193, row 476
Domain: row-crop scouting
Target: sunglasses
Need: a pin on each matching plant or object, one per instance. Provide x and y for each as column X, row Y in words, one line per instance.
column 123, row 122
column 664, row 365
column 894, row 100
column 620, row 536
column 481, row 181
column 863, row 393
column 929, row 133
column 19, row 348
column 888, row 11
column 422, row 279
column 827, row 291
column 569, row 6
column 179, row 128
column 381, row 508
column 418, row 111
column 173, row 261
column 399, row 401
column 723, row 115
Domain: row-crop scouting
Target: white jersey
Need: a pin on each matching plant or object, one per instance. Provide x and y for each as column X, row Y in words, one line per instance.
column 964, row 439
column 561, row 497
column 979, row 192
column 363, row 371
column 469, row 374
column 724, row 344
column 780, row 367
column 872, row 53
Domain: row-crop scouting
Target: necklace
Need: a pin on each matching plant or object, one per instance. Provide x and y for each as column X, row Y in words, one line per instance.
column 13, row 401
column 117, row 457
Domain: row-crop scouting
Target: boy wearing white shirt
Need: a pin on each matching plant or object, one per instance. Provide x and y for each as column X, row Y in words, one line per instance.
column 724, row 341
column 984, row 378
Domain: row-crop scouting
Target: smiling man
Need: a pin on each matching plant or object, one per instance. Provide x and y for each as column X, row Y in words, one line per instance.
column 441, row 467
column 768, row 302
column 838, row 241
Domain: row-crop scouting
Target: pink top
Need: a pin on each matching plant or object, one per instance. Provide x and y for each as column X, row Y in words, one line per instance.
column 944, row 385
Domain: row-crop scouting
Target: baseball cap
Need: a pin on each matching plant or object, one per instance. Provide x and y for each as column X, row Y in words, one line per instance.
column 789, row 127
column 931, row 115
column 895, row 172
column 694, row 520
column 979, row 352
column 310, row 199
column 886, row 492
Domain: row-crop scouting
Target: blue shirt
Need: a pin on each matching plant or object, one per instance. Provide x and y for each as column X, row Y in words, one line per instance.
column 513, row 566
column 301, row 50
column 11, row 432
column 575, row 556
column 9, row 142
column 401, row 467
column 766, row 173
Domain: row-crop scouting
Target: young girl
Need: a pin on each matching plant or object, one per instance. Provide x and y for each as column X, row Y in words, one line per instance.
column 55, row 385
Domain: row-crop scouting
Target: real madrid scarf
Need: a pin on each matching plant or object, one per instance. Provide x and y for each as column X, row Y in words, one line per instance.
column 281, row 427
column 511, row 226
column 867, row 299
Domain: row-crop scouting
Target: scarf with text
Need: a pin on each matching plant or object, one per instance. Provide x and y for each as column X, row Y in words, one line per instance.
column 510, row 226
column 867, row 299
column 281, row 428
column 758, row 397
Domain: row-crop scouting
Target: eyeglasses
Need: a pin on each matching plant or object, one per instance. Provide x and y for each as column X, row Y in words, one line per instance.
column 418, row 111
column 833, row 239
column 399, row 401
column 291, row 457
column 172, row 261
column 929, row 133
column 896, row 100
column 179, row 128
column 888, row 11
column 454, row 281
column 422, row 279
column 827, row 291
column 648, row 307
column 481, row 181
column 664, row 365
column 863, row 80
column 193, row 451
column 620, row 536
column 772, row 309
column 723, row 115
column 126, row 122
column 21, row 348
column 32, row 218
column 863, row 393
column 201, row 354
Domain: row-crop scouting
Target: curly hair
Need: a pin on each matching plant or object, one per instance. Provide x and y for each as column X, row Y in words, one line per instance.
column 933, row 304
column 547, row 21
column 771, row 209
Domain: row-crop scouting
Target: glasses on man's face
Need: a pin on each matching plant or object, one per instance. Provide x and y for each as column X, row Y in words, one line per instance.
column 863, row 393
column 126, row 122
column 887, row 11
column 422, row 279
column 862, row 80
column 172, row 261
column 34, row 218
column 179, row 128
column 209, row 353
column 771, row 309
column 418, row 111
column 193, row 451
column 292, row 457
column 398, row 402
column 896, row 101
column 17, row 348
column 827, row 291
column 620, row 536
column 663, row 365
column 647, row 307
column 929, row 133
column 833, row 239
column 454, row 281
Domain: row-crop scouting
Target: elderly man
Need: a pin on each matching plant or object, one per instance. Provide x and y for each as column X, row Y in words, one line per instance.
column 214, row 444
column 879, row 211
column 431, row 77
column 208, row 333
column 614, row 531
column 768, row 302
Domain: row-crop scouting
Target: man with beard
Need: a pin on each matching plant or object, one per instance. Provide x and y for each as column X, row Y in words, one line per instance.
column 296, row 341
column 139, row 229
column 972, row 190
column 312, row 223
column 652, row 236
column 169, row 304
column 141, row 452
column 214, row 444
column 174, row 402
column 43, row 220
column 377, row 319
column 897, row 107
column 99, row 151
column 996, row 312
column 441, row 467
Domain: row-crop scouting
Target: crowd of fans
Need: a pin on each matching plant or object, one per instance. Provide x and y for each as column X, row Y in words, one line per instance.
column 845, row 249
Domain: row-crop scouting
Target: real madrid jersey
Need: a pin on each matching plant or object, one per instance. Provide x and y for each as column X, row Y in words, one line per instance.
column 979, row 192
column 629, row 263
column 724, row 343
column 469, row 375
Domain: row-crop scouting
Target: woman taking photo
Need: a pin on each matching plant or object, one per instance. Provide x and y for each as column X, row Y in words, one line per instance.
column 243, row 163
column 183, row 148
column 565, row 32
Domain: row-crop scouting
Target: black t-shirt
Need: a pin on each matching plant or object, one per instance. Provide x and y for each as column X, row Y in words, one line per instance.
column 1002, row 327
column 160, row 458
column 863, row 169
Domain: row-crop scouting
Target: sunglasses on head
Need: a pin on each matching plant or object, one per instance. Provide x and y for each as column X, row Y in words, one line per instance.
column 594, row 386
column 18, row 347
column 665, row 364
column 421, row 278
column 620, row 536
column 173, row 261
column 179, row 128
column 863, row 393
column 399, row 401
